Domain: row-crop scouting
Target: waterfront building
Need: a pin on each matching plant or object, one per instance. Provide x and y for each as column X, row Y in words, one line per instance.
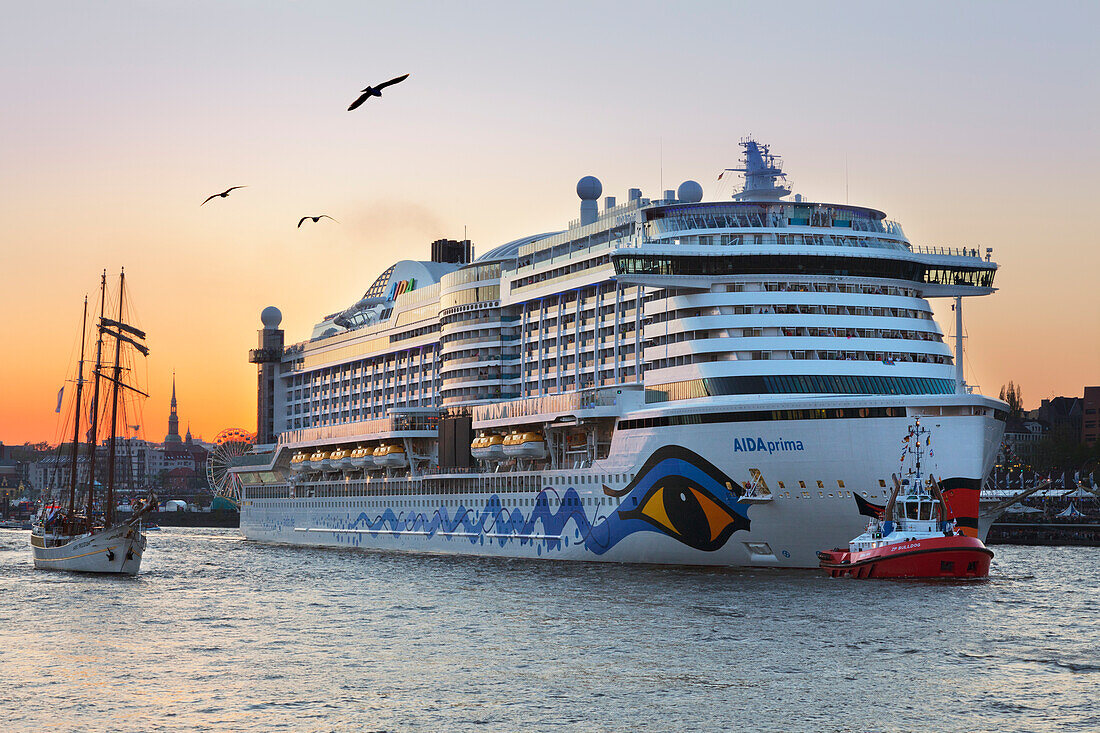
column 1090, row 416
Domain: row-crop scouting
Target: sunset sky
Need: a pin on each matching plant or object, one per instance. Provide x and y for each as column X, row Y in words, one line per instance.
column 973, row 125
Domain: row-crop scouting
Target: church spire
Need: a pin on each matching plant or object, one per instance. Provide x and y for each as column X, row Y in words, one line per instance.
column 173, row 419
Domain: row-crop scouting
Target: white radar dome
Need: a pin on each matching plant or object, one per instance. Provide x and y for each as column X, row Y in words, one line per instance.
column 271, row 317
column 589, row 188
column 689, row 192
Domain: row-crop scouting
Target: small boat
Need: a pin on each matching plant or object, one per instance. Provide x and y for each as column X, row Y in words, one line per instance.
column 299, row 462
column 390, row 456
column 362, row 457
column 319, row 461
column 527, row 444
column 488, row 447
column 913, row 537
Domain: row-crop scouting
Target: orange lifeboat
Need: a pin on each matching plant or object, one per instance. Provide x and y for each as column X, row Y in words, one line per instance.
column 391, row 455
column 528, row 444
column 488, row 447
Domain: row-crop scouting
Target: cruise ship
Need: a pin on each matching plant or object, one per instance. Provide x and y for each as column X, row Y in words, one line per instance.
column 666, row 380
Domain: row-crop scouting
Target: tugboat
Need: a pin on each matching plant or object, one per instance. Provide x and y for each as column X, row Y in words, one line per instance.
column 912, row 538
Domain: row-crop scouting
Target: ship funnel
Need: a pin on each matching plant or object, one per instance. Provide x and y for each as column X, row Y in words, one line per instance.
column 589, row 189
column 608, row 203
column 634, row 194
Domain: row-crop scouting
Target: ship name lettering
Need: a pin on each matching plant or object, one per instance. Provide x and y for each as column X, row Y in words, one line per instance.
column 752, row 445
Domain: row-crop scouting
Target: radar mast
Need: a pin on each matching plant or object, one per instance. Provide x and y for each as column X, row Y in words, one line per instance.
column 762, row 171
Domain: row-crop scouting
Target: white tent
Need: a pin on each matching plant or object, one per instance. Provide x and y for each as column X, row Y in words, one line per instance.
column 1021, row 509
column 1080, row 493
column 1070, row 512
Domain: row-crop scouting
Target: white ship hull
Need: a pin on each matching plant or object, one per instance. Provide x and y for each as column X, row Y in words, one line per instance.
column 115, row 550
column 573, row 515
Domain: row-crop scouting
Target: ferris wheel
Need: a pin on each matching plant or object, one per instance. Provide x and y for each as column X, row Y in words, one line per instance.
column 228, row 444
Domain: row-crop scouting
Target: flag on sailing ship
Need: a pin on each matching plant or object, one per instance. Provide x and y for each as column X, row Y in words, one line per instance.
column 59, row 393
column 721, row 174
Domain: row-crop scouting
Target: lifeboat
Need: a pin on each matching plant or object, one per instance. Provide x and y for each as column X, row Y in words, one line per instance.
column 911, row 537
column 390, row 456
column 313, row 463
column 299, row 462
column 362, row 457
column 488, row 447
column 340, row 459
column 525, row 445
column 320, row 461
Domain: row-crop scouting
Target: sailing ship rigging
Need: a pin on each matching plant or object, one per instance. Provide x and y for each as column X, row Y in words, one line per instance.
column 79, row 537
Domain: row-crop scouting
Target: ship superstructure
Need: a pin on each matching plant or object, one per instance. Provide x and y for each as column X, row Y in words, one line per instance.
column 666, row 380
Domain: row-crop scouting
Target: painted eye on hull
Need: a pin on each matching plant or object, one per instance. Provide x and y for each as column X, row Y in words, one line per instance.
column 686, row 511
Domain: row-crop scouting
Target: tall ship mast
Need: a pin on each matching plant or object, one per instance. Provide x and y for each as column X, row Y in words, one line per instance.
column 666, row 380
column 95, row 540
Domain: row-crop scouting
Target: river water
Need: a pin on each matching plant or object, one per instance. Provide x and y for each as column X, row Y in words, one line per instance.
column 222, row 634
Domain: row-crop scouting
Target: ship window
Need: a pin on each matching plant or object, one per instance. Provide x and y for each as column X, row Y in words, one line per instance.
column 881, row 483
column 840, row 483
column 801, row 484
column 821, row 484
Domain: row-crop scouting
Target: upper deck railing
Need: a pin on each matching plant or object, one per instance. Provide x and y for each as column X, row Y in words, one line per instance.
column 716, row 219
column 953, row 251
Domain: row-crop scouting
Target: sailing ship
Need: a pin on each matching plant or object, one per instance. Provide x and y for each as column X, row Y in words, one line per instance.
column 912, row 536
column 77, row 534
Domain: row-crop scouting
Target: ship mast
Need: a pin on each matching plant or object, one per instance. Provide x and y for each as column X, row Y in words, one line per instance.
column 76, row 414
column 94, row 429
column 109, row 509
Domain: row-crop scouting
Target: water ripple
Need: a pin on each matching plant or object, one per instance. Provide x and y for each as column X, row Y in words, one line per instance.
column 221, row 634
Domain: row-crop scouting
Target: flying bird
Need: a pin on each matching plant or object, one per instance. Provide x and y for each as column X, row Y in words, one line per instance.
column 315, row 219
column 375, row 91
column 223, row 194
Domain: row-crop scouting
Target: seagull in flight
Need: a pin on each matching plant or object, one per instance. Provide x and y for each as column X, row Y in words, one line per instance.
column 223, row 194
column 376, row 91
column 315, row 219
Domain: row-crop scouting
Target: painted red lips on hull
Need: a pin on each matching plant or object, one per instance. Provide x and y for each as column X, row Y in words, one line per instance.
column 935, row 557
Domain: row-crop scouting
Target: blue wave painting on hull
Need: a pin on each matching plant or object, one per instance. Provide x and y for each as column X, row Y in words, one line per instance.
column 677, row 493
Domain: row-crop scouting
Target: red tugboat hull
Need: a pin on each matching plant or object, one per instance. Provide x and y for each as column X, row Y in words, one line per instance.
column 936, row 557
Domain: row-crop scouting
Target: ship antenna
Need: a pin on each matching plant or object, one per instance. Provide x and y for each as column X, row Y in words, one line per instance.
column 661, row 161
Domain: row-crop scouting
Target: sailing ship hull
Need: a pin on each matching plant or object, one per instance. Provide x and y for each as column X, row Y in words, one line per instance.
column 115, row 550
column 957, row 557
